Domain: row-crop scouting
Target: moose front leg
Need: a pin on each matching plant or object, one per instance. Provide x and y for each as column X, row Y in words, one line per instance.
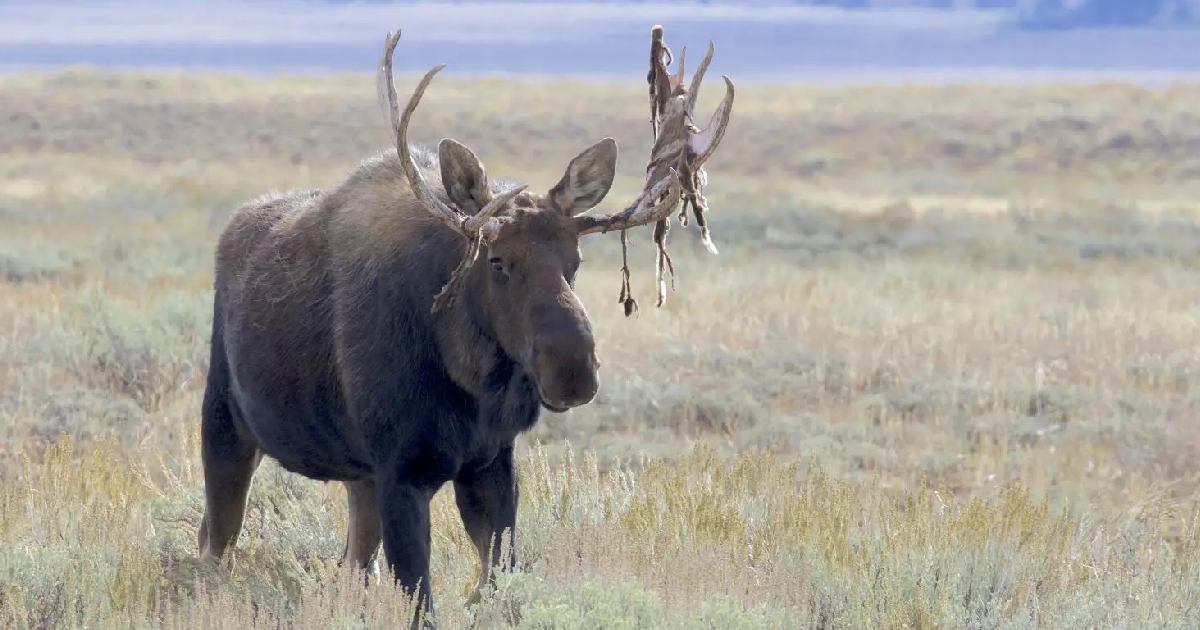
column 487, row 501
column 404, row 512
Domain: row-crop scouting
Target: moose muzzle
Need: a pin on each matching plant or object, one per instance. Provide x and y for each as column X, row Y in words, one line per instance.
column 564, row 355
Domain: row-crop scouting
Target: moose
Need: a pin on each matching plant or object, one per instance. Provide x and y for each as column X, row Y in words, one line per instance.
column 398, row 331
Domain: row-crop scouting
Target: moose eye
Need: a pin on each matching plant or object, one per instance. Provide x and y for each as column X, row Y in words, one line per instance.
column 497, row 264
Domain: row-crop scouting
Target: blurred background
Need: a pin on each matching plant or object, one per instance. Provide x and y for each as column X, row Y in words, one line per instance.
column 944, row 372
column 818, row 40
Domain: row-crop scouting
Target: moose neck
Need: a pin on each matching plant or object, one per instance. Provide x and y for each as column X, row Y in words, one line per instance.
column 506, row 396
column 473, row 357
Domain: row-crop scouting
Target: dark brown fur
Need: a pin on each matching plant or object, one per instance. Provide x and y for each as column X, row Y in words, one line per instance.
column 326, row 354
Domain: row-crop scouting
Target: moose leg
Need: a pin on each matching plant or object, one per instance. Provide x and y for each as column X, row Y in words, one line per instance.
column 230, row 458
column 487, row 503
column 366, row 529
column 404, row 512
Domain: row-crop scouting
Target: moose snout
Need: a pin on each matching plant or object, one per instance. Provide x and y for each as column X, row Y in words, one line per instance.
column 567, row 380
column 564, row 353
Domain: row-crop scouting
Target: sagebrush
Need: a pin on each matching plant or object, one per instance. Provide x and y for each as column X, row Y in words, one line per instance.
column 941, row 375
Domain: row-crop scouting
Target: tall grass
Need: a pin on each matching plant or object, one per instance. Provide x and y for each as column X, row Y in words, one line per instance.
column 942, row 374
column 91, row 539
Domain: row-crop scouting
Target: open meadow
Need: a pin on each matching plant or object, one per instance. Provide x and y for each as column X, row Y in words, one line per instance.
column 944, row 373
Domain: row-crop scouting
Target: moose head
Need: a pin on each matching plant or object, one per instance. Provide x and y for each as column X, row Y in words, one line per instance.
column 518, row 273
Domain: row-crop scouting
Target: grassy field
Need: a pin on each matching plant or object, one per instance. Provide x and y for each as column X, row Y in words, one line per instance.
column 945, row 372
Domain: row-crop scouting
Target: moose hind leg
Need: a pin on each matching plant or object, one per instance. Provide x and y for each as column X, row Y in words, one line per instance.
column 366, row 529
column 487, row 503
column 230, row 458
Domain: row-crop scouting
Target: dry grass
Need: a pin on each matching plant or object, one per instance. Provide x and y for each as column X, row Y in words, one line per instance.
column 942, row 375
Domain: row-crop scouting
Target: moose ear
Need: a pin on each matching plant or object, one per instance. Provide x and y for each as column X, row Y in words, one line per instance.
column 463, row 176
column 588, row 178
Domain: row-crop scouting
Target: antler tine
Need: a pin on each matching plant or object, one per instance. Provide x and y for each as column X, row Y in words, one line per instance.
column 384, row 85
column 654, row 204
column 704, row 144
column 454, row 218
column 693, row 92
column 682, row 65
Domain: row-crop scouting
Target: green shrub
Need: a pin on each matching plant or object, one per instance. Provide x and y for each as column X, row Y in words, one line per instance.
column 142, row 351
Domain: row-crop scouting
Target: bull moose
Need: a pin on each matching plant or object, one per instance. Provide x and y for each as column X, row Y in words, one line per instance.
column 399, row 330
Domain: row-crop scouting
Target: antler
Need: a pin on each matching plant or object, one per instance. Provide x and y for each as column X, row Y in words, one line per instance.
column 680, row 149
column 481, row 224
column 654, row 204
column 477, row 228
column 677, row 159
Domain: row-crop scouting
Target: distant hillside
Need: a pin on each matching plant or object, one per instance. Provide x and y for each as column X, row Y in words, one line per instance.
column 1108, row 13
column 1039, row 14
column 1056, row 13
